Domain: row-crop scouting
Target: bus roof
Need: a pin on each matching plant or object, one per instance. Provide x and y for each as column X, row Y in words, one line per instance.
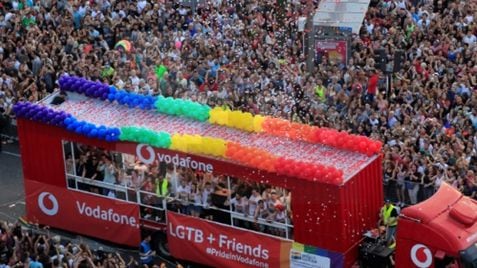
column 111, row 114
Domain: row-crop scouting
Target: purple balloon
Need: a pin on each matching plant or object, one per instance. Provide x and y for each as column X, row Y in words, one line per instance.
column 97, row 93
column 104, row 96
column 74, row 86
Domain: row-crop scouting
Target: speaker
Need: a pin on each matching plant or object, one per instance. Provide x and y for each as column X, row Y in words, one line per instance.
column 399, row 58
column 374, row 255
column 380, row 59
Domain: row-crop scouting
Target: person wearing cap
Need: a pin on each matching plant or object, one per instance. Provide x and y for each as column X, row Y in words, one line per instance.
column 388, row 218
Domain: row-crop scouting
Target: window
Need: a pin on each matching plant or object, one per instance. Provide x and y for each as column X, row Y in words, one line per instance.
column 159, row 187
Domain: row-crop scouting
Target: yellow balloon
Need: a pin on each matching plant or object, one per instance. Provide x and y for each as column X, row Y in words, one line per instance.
column 257, row 123
column 213, row 116
column 224, row 118
column 247, row 120
column 177, row 143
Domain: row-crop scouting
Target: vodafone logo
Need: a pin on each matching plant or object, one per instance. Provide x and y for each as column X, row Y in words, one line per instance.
column 147, row 155
column 149, row 158
column 52, row 208
column 421, row 256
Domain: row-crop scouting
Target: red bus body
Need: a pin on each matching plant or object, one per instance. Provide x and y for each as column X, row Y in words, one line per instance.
column 331, row 218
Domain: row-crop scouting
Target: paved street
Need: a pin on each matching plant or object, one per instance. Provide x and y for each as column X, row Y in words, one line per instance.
column 12, row 203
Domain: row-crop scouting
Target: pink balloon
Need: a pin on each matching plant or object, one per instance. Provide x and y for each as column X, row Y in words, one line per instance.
column 178, row 44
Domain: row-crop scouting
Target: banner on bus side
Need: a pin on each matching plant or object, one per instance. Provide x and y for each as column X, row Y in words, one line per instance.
column 99, row 217
column 218, row 245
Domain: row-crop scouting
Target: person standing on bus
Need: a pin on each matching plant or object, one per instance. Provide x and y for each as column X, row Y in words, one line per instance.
column 146, row 254
column 253, row 202
column 106, row 166
column 163, row 188
column 388, row 218
column 141, row 170
column 172, row 177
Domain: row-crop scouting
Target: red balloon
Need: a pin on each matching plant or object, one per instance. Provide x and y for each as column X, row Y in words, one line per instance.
column 362, row 146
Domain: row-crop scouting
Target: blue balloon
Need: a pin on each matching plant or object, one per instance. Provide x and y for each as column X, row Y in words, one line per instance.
column 101, row 132
column 79, row 130
column 112, row 89
column 68, row 121
column 111, row 97
column 94, row 133
column 109, row 139
column 123, row 99
column 70, row 127
column 84, row 129
column 116, row 131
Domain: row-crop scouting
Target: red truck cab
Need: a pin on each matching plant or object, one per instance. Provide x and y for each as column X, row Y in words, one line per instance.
column 439, row 232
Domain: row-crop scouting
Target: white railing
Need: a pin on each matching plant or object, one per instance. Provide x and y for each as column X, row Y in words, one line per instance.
column 138, row 194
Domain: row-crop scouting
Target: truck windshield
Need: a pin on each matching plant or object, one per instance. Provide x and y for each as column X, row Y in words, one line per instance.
column 469, row 257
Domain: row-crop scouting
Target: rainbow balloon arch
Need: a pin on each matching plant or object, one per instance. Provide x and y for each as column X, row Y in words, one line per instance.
column 197, row 144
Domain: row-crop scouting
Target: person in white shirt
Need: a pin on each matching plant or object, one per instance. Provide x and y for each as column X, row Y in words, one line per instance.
column 195, row 200
column 183, row 192
column 469, row 38
column 206, row 193
column 239, row 203
column 141, row 170
column 253, row 202
column 141, row 5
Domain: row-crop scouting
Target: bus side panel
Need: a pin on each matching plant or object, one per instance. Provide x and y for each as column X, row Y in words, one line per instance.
column 360, row 201
column 335, row 217
column 316, row 209
column 41, row 152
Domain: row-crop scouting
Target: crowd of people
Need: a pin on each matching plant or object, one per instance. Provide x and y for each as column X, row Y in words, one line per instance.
column 24, row 247
column 248, row 55
column 228, row 200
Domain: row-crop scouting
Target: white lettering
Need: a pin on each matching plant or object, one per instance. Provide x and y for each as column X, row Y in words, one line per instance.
column 116, row 217
column 161, row 157
column 175, row 160
column 187, row 162
column 187, row 233
column 105, row 215
column 233, row 245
